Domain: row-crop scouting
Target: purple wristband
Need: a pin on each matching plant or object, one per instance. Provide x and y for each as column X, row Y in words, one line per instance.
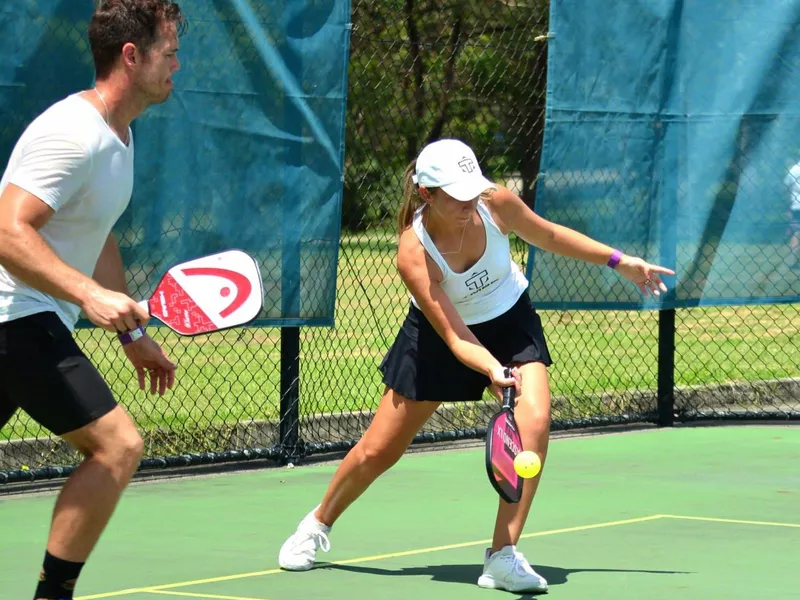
column 616, row 255
column 131, row 336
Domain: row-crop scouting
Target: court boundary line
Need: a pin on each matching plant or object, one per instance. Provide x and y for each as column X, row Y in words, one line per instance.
column 163, row 589
column 155, row 589
column 197, row 595
column 732, row 521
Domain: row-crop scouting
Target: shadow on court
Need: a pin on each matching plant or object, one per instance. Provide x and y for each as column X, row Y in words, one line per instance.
column 469, row 574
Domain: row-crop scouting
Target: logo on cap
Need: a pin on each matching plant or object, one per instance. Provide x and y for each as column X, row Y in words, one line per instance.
column 467, row 164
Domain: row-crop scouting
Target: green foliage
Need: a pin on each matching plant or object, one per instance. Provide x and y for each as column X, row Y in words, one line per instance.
column 421, row 70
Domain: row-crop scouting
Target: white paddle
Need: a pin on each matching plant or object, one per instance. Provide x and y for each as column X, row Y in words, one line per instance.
column 208, row 294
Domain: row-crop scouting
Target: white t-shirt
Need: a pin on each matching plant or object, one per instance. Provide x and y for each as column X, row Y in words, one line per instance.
column 71, row 160
column 493, row 284
column 792, row 181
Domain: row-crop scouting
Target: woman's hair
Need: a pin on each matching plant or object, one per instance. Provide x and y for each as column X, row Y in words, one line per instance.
column 411, row 198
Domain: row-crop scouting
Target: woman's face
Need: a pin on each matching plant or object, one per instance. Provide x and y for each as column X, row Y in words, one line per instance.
column 452, row 210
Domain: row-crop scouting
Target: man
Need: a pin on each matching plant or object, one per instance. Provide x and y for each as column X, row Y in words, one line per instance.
column 792, row 181
column 68, row 180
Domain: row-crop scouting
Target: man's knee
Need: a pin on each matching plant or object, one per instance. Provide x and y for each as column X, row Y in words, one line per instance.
column 130, row 447
column 112, row 439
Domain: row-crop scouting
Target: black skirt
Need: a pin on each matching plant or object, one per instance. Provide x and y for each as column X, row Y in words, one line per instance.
column 420, row 366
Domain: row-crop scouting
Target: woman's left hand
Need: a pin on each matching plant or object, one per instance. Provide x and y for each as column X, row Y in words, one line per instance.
column 643, row 274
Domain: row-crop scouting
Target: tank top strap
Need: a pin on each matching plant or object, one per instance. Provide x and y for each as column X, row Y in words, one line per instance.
column 427, row 243
column 486, row 215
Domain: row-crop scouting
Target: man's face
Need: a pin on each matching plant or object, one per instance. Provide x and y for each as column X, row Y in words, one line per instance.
column 154, row 76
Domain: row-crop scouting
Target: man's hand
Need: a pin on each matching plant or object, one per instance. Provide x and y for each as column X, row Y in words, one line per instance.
column 113, row 311
column 148, row 358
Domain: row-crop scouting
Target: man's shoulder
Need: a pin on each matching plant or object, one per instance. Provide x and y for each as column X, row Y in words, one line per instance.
column 69, row 119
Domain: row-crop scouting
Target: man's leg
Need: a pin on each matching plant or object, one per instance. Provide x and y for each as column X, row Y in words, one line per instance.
column 112, row 447
column 46, row 375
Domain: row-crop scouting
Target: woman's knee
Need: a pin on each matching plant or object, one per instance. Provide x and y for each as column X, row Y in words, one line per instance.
column 533, row 419
column 379, row 455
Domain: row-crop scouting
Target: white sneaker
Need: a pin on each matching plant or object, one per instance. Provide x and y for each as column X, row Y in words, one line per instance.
column 299, row 552
column 507, row 569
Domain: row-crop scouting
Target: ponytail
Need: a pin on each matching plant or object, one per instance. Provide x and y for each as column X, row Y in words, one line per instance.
column 411, row 199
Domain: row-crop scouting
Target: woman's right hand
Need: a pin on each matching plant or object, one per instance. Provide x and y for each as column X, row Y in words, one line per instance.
column 499, row 381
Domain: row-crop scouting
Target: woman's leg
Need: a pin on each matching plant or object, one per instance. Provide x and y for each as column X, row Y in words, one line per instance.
column 392, row 430
column 394, row 426
column 532, row 414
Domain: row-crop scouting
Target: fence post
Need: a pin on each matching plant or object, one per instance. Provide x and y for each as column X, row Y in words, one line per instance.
column 289, row 423
column 666, row 367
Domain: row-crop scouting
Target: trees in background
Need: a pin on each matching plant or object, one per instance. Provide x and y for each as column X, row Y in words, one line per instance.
column 421, row 70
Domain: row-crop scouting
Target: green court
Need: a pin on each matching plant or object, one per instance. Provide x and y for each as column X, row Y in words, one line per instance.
column 696, row 512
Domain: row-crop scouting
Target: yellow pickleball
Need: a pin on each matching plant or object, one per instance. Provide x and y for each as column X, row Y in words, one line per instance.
column 527, row 464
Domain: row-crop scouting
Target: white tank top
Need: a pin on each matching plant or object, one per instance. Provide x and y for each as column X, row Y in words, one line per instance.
column 487, row 289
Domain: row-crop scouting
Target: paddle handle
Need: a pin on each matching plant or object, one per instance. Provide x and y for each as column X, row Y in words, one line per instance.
column 508, row 393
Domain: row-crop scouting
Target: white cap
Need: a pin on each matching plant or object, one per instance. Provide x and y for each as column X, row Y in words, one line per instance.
column 451, row 165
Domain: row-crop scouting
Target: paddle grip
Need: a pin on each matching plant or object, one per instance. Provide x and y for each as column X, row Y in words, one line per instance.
column 508, row 392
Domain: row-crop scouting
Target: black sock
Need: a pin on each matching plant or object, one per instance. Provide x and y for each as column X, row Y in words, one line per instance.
column 58, row 578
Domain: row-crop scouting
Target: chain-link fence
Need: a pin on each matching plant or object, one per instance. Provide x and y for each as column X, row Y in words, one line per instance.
column 421, row 70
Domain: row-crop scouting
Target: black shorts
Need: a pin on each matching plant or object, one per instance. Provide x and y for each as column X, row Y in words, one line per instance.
column 420, row 366
column 45, row 373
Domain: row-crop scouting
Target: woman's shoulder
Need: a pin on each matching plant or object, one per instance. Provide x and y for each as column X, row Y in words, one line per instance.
column 411, row 255
column 409, row 245
column 499, row 202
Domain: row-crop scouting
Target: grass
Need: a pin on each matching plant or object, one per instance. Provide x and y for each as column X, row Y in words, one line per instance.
column 234, row 376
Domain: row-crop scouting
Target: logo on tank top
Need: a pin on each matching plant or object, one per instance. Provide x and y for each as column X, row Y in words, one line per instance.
column 478, row 281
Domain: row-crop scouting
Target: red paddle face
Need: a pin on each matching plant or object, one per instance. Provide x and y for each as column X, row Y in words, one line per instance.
column 502, row 446
column 208, row 294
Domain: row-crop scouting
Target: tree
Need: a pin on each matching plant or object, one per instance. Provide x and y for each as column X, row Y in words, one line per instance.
column 421, row 70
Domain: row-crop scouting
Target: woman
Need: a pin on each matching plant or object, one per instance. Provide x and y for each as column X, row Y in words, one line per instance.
column 470, row 316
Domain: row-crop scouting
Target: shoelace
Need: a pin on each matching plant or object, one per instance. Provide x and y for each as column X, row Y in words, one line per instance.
column 521, row 564
column 320, row 539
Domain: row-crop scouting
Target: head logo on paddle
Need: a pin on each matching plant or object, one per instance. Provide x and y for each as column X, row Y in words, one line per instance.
column 207, row 294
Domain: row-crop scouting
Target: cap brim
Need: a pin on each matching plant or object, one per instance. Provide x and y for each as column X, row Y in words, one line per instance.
column 469, row 188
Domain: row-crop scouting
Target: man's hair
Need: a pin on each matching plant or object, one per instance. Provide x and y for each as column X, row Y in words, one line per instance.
column 119, row 22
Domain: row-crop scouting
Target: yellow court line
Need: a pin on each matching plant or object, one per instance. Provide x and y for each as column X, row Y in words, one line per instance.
column 157, row 588
column 212, row 596
column 481, row 542
column 736, row 521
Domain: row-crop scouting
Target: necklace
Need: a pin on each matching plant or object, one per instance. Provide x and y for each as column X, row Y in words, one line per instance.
column 99, row 95
column 108, row 117
column 460, row 243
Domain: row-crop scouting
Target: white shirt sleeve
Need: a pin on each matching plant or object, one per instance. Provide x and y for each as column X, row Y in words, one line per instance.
column 52, row 168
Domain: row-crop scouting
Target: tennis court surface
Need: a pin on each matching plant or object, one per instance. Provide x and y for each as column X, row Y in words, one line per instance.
column 690, row 513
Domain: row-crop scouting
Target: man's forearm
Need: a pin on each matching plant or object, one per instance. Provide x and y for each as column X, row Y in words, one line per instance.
column 27, row 256
column 109, row 271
